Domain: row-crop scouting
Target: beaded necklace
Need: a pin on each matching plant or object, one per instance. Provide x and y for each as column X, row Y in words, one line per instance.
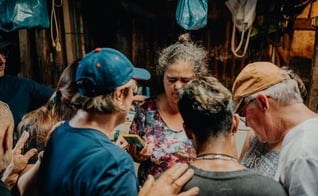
column 216, row 156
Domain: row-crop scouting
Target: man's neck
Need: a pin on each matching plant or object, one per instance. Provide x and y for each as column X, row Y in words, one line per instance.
column 102, row 122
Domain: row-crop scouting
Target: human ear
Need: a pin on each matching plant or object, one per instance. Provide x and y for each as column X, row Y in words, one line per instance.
column 262, row 101
column 235, row 123
column 119, row 94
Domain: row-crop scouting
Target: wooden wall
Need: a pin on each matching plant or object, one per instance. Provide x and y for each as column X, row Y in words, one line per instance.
column 140, row 28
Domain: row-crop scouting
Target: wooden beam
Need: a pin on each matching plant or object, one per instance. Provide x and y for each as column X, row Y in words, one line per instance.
column 70, row 56
column 25, row 60
column 313, row 90
column 304, row 24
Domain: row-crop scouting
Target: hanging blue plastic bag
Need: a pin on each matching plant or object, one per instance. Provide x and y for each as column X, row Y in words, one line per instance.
column 19, row 14
column 192, row 14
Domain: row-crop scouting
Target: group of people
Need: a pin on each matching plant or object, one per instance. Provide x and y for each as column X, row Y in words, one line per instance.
column 21, row 94
column 105, row 84
column 189, row 130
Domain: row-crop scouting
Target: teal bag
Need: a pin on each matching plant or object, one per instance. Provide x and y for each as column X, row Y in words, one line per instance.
column 192, row 14
column 19, row 14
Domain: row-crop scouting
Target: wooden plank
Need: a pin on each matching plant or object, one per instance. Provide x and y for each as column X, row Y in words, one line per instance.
column 313, row 90
column 25, row 60
column 306, row 13
column 70, row 56
column 314, row 9
column 134, row 44
column 303, row 43
column 43, row 67
column 303, row 24
column 304, row 20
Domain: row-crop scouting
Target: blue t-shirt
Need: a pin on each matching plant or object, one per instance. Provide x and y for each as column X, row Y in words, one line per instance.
column 4, row 191
column 23, row 95
column 81, row 161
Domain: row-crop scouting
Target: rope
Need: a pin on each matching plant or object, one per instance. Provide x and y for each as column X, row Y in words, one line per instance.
column 55, row 27
column 234, row 49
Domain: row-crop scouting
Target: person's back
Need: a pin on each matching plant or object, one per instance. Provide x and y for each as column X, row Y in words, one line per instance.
column 240, row 182
column 206, row 107
column 300, row 150
column 89, row 158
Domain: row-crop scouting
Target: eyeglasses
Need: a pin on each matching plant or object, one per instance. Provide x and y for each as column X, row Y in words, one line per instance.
column 243, row 119
column 4, row 53
column 241, row 112
column 245, row 103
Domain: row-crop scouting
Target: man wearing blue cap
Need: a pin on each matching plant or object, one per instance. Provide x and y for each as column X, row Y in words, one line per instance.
column 21, row 94
column 80, row 158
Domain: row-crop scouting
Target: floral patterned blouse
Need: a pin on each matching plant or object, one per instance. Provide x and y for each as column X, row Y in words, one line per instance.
column 169, row 146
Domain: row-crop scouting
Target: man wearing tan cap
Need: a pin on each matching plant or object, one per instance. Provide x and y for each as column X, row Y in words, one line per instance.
column 273, row 107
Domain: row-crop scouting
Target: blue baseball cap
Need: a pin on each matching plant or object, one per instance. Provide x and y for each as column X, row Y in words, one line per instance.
column 103, row 70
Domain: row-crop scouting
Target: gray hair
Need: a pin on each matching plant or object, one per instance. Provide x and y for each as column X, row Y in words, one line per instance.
column 184, row 50
column 285, row 92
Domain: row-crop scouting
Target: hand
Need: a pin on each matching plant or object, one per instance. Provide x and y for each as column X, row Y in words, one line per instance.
column 27, row 182
column 140, row 98
column 120, row 141
column 140, row 155
column 137, row 100
column 19, row 161
column 170, row 182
